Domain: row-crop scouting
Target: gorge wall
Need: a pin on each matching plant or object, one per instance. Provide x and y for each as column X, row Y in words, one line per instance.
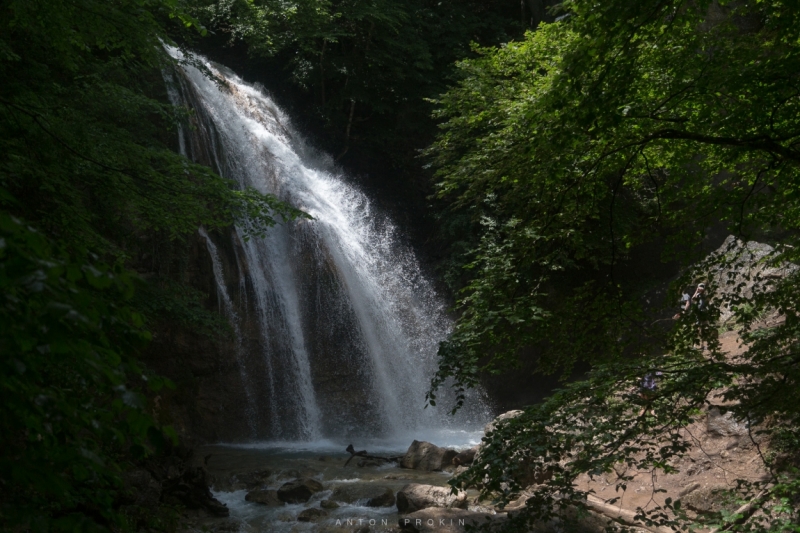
column 207, row 402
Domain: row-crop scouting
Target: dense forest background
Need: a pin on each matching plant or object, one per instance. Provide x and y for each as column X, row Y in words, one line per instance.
column 567, row 167
column 358, row 77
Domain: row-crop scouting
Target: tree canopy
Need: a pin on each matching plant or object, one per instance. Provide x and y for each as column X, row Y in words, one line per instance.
column 88, row 179
column 365, row 66
column 624, row 131
column 91, row 184
column 626, row 127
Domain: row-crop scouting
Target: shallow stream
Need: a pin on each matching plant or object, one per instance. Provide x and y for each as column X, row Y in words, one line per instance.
column 323, row 461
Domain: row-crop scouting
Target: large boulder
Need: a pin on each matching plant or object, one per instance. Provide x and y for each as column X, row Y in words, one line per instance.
column 311, row 515
column 264, row 497
column 488, row 428
column 465, row 457
column 415, row 496
column 426, row 456
column 386, row 499
column 491, row 426
column 329, row 504
column 177, row 482
column 369, row 495
column 299, row 490
column 436, row 520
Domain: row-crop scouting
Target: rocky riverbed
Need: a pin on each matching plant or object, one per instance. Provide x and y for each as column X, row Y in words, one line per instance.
column 309, row 488
column 305, row 487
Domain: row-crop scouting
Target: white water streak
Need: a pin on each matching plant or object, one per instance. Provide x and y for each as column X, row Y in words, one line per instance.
column 400, row 318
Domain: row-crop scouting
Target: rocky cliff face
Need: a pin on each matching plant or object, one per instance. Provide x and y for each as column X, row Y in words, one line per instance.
column 340, row 379
column 222, row 380
column 213, row 400
column 208, row 403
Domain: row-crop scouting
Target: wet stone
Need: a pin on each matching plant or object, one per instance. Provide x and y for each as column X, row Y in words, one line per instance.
column 386, row 499
column 328, row 504
column 465, row 457
column 299, row 490
column 423, row 455
column 311, row 515
column 415, row 496
column 265, row 497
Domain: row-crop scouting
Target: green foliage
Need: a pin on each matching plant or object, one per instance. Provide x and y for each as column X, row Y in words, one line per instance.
column 82, row 129
column 367, row 64
column 166, row 300
column 68, row 415
column 574, row 146
column 86, row 158
column 626, row 124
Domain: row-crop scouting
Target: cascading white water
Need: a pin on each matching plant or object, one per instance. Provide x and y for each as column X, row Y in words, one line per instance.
column 229, row 310
column 350, row 326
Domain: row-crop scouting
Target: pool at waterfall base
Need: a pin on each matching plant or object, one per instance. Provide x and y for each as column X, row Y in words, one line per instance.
column 272, row 465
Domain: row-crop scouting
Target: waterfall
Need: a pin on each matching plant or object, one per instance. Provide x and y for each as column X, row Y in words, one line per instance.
column 228, row 309
column 347, row 325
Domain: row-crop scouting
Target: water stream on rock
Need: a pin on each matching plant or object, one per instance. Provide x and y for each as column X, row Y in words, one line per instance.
column 347, row 326
column 231, row 467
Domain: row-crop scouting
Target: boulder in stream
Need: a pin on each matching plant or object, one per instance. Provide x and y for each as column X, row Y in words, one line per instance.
column 386, row 499
column 423, row 455
column 311, row 515
column 328, row 504
column 415, row 496
column 465, row 457
column 299, row 490
column 264, row 497
column 189, row 488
